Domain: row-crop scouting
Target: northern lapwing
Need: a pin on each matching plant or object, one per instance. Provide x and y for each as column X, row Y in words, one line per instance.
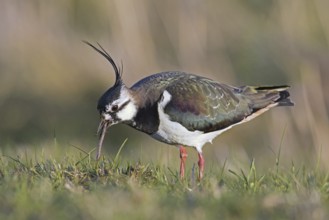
column 182, row 109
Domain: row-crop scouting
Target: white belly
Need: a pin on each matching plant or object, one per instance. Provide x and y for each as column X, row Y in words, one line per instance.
column 173, row 133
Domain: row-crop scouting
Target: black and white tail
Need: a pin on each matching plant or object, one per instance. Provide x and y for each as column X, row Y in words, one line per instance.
column 266, row 97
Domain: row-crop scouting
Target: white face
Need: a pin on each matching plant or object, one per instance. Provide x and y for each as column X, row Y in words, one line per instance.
column 122, row 109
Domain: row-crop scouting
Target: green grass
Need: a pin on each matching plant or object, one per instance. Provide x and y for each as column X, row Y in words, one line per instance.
column 78, row 187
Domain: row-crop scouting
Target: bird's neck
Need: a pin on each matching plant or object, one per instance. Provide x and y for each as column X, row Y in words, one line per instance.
column 146, row 118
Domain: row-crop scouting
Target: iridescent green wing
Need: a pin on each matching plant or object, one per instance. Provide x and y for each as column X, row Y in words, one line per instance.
column 202, row 104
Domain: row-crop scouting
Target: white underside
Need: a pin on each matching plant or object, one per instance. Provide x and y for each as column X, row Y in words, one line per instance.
column 174, row 133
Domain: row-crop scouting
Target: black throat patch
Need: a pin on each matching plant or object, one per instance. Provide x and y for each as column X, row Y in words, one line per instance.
column 147, row 119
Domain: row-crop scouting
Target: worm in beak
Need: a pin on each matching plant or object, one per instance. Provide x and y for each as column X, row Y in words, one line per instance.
column 101, row 131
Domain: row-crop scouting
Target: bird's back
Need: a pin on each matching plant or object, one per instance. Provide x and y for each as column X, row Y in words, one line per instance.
column 202, row 104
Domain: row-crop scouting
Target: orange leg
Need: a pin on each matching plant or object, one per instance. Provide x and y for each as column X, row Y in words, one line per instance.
column 183, row 156
column 201, row 165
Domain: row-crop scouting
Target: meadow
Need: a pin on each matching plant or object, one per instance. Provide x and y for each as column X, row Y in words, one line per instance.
column 274, row 167
column 76, row 186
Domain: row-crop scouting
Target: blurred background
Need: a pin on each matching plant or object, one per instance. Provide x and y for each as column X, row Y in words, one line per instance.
column 50, row 81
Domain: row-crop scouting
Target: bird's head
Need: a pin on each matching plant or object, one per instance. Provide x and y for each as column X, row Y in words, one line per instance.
column 116, row 104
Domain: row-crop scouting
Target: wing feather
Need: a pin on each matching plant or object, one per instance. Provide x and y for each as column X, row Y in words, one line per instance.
column 202, row 104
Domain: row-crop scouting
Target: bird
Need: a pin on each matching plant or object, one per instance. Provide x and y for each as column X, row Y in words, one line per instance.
column 182, row 109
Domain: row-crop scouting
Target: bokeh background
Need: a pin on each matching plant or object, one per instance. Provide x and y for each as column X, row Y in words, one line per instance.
column 50, row 81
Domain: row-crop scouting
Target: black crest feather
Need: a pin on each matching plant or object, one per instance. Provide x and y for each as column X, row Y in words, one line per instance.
column 103, row 52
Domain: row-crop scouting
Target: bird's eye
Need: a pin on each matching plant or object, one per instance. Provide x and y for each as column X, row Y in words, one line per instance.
column 114, row 108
